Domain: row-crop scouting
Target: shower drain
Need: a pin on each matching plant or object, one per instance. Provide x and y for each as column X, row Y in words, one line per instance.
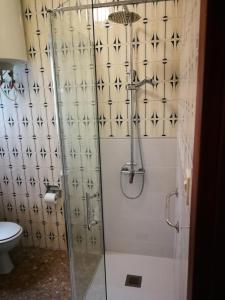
column 133, row 280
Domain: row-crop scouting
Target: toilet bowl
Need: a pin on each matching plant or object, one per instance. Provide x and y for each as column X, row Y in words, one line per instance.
column 10, row 234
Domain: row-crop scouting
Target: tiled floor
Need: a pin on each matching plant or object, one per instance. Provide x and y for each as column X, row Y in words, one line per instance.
column 40, row 274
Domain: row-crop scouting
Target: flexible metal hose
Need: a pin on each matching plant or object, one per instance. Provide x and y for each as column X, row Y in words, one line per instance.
column 124, row 193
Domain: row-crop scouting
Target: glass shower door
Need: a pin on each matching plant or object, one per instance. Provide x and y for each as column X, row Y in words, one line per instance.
column 74, row 69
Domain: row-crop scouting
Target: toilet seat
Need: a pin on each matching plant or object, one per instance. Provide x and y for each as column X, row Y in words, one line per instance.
column 9, row 231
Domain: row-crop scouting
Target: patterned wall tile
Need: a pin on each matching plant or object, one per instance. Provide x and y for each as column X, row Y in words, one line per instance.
column 76, row 86
column 188, row 87
column 28, row 138
column 155, row 45
column 29, row 151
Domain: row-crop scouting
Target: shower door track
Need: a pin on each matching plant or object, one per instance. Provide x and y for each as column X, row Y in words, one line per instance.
column 101, row 5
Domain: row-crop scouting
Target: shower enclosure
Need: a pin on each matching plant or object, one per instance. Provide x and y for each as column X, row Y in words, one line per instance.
column 74, row 69
column 133, row 212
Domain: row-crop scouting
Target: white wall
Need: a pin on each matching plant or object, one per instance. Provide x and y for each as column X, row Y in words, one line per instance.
column 138, row 226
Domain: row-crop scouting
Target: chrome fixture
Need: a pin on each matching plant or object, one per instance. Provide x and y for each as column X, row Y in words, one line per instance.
column 134, row 86
column 100, row 5
column 130, row 169
column 167, row 211
column 125, row 170
column 90, row 211
column 145, row 81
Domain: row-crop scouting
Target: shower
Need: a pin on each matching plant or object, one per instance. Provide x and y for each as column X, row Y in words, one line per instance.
column 130, row 168
column 109, row 80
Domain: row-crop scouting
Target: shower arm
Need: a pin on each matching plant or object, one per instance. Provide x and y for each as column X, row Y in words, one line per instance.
column 134, row 86
column 101, row 5
column 124, row 7
column 144, row 81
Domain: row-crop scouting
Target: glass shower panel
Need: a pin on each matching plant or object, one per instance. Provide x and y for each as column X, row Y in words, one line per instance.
column 74, row 67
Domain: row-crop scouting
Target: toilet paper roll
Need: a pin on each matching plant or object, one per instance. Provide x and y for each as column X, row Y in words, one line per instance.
column 50, row 198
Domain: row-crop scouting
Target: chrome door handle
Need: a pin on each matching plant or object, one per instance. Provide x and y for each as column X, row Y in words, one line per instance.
column 92, row 223
column 90, row 218
column 167, row 212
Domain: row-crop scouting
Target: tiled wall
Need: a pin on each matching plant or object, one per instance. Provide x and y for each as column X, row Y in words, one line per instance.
column 187, row 104
column 29, row 152
column 74, row 62
column 156, row 49
column 29, row 155
column 138, row 226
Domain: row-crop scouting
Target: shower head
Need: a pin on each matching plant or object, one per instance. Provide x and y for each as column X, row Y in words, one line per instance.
column 124, row 17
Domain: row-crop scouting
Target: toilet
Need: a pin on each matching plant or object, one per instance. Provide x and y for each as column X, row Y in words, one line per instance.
column 10, row 234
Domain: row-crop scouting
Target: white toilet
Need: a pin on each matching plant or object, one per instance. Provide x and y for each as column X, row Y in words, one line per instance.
column 10, row 234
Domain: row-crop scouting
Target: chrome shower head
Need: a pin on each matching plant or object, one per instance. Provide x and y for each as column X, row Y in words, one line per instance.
column 124, row 17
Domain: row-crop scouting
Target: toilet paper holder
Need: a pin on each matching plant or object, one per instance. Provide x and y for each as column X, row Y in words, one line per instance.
column 54, row 189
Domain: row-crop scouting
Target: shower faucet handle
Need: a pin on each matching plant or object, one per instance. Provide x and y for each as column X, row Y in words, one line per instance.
column 131, row 87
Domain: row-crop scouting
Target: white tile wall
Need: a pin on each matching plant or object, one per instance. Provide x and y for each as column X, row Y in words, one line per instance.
column 138, row 226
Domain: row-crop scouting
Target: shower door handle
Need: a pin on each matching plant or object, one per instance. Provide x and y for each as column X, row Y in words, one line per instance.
column 90, row 218
column 167, row 212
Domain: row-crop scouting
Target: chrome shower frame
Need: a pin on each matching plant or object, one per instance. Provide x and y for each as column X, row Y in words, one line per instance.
column 100, row 5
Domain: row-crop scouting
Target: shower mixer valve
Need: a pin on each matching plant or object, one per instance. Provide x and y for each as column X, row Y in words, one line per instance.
column 128, row 169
